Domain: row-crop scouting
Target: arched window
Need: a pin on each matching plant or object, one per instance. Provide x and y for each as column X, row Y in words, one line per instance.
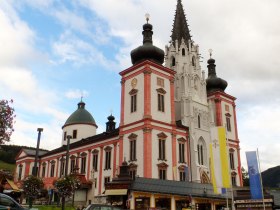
column 201, row 151
column 173, row 61
column 193, row 61
column 231, row 158
column 183, row 52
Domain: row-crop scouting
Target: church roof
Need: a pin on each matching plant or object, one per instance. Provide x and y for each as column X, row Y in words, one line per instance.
column 180, row 27
column 83, row 142
column 80, row 116
column 174, row 187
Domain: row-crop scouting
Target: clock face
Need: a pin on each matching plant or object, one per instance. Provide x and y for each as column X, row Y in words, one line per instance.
column 134, row 82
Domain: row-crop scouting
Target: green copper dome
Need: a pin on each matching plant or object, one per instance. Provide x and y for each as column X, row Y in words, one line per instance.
column 80, row 116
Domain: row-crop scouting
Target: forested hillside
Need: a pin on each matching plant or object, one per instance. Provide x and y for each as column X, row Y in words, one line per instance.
column 271, row 177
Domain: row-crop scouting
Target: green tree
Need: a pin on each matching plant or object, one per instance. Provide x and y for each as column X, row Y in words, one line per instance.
column 32, row 187
column 6, row 120
column 66, row 187
column 245, row 177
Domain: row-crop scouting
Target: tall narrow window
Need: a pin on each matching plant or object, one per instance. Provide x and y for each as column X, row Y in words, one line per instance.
column 161, row 93
column 200, row 151
column 95, row 160
column 74, row 134
column 44, row 170
column 231, row 159
column 133, row 100
column 161, row 145
column 108, row 158
column 162, row 174
column 233, row 179
column 132, row 174
column 19, row 172
column 132, row 170
column 132, row 146
column 133, row 103
column 193, row 61
column 201, row 154
column 72, row 164
column 132, row 150
column 173, row 61
column 52, row 168
column 161, row 149
column 162, row 170
column 198, row 121
column 228, row 123
column 160, row 102
column 106, row 179
column 182, row 176
column 83, row 163
column 181, row 150
column 183, row 52
column 198, row 154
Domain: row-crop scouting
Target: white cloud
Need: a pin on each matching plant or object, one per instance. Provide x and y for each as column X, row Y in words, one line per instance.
column 70, row 48
column 74, row 94
column 16, row 38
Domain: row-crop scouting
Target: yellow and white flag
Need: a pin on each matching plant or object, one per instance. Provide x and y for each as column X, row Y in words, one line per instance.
column 219, row 160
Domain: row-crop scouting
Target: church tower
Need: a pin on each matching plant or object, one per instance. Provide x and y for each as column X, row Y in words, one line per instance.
column 222, row 106
column 150, row 140
column 191, row 107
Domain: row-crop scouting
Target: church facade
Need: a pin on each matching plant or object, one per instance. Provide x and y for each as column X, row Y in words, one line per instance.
column 167, row 112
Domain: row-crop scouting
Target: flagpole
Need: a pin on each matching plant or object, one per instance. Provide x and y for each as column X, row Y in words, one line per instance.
column 261, row 178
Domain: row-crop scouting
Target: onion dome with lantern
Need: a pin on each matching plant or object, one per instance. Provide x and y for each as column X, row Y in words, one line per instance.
column 214, row 83
column 147, row 51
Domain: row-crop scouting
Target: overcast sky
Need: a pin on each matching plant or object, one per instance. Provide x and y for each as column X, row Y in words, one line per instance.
column 52, row 52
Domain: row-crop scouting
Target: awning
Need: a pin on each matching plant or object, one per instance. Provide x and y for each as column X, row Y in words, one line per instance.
column 116, row 192
column 13, row 185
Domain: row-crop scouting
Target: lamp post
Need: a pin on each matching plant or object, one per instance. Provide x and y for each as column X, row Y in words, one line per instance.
column 67, row 154
column 35, row 170
column 66, row 168
column 93, row 184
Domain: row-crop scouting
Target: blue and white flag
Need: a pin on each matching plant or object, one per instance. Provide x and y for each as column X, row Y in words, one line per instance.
column 254, row 175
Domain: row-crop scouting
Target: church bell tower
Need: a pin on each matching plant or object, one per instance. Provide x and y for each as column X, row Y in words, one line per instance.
column 191, row 107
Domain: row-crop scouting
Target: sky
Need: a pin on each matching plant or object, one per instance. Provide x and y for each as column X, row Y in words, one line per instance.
column 53, row 52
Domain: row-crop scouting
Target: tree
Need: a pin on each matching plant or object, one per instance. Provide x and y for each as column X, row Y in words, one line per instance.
column 66, row 186
column 32, row 187
column 245, row 177
column 6, row 120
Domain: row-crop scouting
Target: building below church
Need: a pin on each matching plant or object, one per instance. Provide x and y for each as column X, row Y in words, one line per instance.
column 164, row 134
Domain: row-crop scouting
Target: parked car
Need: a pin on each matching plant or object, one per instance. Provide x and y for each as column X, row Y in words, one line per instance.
column 102, row 207
column 6, row 202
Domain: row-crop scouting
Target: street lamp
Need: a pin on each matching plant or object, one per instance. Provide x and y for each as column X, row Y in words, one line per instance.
column 35, row 170
column 67, row 154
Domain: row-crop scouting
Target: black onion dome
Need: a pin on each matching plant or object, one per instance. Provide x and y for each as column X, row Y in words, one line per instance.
column 214, row 83
column 147, row 51
column 111, row 118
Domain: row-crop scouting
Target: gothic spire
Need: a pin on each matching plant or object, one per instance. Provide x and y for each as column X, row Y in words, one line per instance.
column 180, row 27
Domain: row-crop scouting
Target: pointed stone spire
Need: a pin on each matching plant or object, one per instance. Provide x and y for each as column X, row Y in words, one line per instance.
column 180, row 27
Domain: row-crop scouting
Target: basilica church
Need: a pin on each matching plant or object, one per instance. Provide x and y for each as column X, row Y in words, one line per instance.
column 168, row 109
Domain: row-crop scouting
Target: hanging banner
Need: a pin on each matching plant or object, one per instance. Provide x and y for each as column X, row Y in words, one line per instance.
column 254, row 175
column 219, row 160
